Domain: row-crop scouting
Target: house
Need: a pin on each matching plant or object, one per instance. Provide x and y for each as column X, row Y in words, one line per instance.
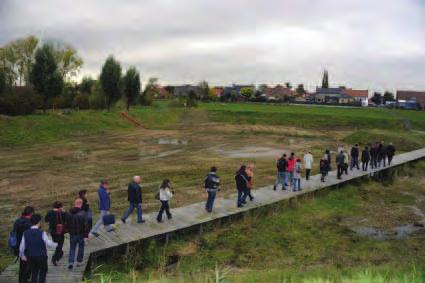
column 409, row 97
column 163, row 93
column 184, row 90
column 360, row 96
column 279, row 92
column 332, row 96
column 217, row 91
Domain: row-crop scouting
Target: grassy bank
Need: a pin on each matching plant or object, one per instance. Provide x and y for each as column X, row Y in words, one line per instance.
column 312, row 241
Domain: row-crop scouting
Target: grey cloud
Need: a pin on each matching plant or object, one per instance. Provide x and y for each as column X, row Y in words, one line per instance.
column 375, row 44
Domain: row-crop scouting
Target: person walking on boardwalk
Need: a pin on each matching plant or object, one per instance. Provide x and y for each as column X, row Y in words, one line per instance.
column 329, row 159
column 297, row 171
column 22, row 224
column 340, row 161
column 78, row 227
column 104, row 207
column 56, row 219
column 241, row 179
column 355, row 152
column 282, row 172
column 82, row 194
column 346, row 162
column 382, row 154
column 250, row 174
column 374, row 155
column 212, row 185
column 323, row 167
column 165, row 194
column 33, row 249
column 291, row 163
column 365, row 158
column 308, row 164
column 134, row 199
column 390, row 152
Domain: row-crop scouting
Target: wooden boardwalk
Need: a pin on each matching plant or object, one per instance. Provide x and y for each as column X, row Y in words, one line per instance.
column 190, row 216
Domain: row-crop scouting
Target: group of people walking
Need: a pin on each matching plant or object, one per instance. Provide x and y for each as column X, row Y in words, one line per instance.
column 29, row 242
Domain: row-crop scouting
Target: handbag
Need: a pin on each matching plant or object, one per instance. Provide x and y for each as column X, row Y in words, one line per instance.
column 108, row 219
column 60, row 227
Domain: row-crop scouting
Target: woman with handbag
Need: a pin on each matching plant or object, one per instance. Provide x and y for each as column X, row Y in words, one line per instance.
column 56, row 219
column 164, row 195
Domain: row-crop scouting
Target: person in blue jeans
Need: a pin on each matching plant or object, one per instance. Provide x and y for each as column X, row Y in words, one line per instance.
column 212, row 184
column 134, row 199
column 282, row 172
column 104, row 207
column 78, row 227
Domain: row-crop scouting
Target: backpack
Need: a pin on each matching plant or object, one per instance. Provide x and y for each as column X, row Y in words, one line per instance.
column 15, row 237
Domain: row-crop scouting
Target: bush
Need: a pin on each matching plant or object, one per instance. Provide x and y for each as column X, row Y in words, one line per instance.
column 97, row 99
column 20, row 101
column 81, row 101
column 146, row 99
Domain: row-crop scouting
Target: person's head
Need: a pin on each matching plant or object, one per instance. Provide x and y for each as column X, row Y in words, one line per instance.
column 165, row 184
column 356, row 145
column 390, row 143
column 28, row 211
column 366, row 148
column 137, row 179
column 35, row 219
column 382, row 142
column 292, row 154
column 78, row 202
column 298, row 160
column 104, row 183
column 284, row 155
column 327, row 151
column 82, row 194
column 213, row 169
column 241, row 169
column 57, row 205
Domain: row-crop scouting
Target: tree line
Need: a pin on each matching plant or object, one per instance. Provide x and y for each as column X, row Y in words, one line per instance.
column 36, row 75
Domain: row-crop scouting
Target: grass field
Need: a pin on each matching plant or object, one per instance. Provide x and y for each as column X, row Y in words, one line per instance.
column 48, row 157
column 314, row 240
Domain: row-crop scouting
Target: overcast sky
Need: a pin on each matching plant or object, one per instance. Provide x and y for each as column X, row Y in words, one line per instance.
column 376, row 44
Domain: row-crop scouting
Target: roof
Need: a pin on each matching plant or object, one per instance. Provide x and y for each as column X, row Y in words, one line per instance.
column 419, row 96
column 357, row 92
column 279, row 91
column 335, row 92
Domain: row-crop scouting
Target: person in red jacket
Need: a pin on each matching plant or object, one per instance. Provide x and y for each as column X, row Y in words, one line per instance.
column 291, row 163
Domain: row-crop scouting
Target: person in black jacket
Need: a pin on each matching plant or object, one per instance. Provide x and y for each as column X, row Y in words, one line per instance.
column 365, row 158
column 340, row 161
column 56, row 219
column 355, row 157
column 374, row 155
column 390, row 152
column 382, row 154
column 282, row 172
column 78, row 228
column 242, row 180
column 211, row 185
column 86, row 206
column 22, row 224
column 134, row 199
column 323, row 166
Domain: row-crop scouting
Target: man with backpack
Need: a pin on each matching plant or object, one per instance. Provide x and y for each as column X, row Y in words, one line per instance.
column 56, row 219
column 212, row 185
column 282, row 171
column 21, row 224
column 33, row 249
column 77, row 223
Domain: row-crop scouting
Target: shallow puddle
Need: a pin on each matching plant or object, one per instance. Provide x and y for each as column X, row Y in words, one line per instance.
column 172, row 141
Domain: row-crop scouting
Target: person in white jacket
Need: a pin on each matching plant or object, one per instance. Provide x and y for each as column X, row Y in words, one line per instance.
column 308, row 164
column 165, row 194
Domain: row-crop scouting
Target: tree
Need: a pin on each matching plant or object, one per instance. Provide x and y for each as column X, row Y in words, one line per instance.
column 288, row 85
column 110, row 80
column 2, row 81
column 325, row 80
column 131, row 86
column 300, row 89
column 377, row 98
column 69, row 62
column 203, row 90
column 262, row 88
column 247, row 92
column 86, row 85
column 388, row 96
column 151, row 91
column 44, row 75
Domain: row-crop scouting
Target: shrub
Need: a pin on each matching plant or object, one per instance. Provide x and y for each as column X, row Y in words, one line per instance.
column 97, row 99
column 81, row 101
column 146, row 99
column 19, row 101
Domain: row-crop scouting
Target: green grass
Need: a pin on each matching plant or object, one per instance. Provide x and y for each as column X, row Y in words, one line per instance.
column 311, row 241
column 313, row 116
